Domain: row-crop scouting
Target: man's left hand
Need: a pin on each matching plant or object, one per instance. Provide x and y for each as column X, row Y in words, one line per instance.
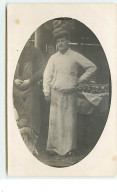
column 79, row 81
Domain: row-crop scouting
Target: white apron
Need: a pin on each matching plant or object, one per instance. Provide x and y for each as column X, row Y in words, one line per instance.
column 62, row 134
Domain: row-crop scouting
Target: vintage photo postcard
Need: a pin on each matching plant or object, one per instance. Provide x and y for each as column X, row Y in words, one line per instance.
column 61, row 90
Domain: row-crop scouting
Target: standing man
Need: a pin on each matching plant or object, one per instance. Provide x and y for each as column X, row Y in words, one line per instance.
column 60, row 86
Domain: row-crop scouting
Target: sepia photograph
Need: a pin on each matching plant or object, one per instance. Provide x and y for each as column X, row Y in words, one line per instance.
column 61, row 92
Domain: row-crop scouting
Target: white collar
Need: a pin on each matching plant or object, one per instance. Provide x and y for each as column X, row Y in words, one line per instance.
column 66, row 53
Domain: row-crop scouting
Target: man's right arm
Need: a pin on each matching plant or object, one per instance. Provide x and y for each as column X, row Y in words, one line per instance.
column 47, row 77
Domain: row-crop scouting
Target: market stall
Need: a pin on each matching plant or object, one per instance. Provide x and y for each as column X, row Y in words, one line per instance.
column 93, row 106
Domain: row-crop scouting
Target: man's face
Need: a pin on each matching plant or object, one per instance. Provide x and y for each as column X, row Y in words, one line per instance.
column 62, row 44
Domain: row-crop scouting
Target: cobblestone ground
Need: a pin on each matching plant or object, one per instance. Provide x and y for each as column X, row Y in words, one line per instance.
column 56, row 160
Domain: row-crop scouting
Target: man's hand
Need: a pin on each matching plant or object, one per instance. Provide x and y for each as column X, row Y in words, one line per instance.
column 79, row 81
column 48, row 98
column 26, row 83
column 18, row 82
